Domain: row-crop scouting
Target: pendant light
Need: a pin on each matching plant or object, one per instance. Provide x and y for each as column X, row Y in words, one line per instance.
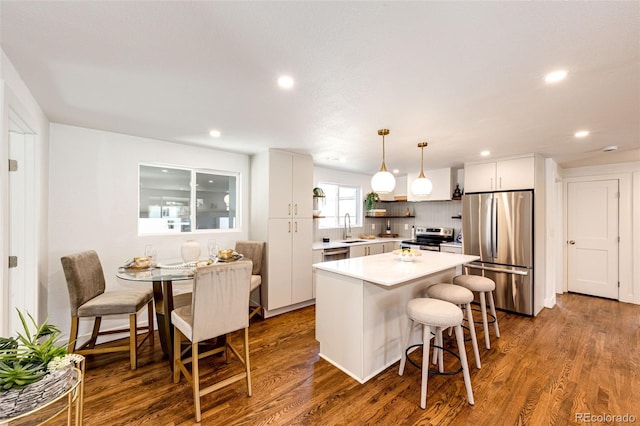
column 422, row 185
column 383, row 182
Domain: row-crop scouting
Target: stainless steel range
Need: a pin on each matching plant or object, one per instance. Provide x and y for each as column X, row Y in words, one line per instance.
column 429, row 238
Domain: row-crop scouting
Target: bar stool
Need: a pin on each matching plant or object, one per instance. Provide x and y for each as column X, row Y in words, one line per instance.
column 437, row 315
column 482, row 286
column 462, row 297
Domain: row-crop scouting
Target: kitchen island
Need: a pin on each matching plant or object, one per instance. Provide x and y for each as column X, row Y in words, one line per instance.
column 360, row 306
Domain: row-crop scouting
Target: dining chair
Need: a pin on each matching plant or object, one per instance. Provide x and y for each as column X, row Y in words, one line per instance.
column 218, row 308
column 254, row 250
column 88, row 299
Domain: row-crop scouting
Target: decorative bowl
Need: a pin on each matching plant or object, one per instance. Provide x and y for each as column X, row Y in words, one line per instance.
column 141, row 262
column 225, row 254
column 407, row 255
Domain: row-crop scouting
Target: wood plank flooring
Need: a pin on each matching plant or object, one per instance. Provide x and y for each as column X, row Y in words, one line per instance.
column 583, row 356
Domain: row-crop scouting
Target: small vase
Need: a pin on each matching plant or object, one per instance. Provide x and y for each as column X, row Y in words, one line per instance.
column 190, row 251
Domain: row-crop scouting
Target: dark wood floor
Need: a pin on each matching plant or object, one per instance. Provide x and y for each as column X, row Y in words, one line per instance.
column 583, row 356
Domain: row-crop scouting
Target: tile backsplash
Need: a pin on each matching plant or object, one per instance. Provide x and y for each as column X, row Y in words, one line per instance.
column 427, row 213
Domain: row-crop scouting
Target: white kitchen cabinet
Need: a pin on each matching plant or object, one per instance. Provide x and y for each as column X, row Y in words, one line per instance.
column 443, row 181
column 281, row 215
column 370, row 249
column 451, row 248
column 289, row 192
column 502, row 175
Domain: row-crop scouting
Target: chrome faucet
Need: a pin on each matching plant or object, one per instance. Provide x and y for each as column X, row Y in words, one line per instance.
column 347, row 219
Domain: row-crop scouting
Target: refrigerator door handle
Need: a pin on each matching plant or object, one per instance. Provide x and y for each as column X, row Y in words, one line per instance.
column 494, row 227
column 488, row 268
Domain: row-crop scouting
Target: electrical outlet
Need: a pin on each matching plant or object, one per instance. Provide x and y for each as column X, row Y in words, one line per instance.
column 406, row 226
column 373, row 226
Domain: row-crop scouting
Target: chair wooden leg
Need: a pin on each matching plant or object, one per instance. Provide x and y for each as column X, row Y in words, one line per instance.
column 150, row 319
column 177, row 338
column 463, row 360
column 133, row 341
column 426, row 338
column 403, row 354
column 492, row 306
column 485, row 326
column 472, row 331
column 73, row 334
column 260, row 300
column 94, row 334
column 246, row 360
column 195, row 376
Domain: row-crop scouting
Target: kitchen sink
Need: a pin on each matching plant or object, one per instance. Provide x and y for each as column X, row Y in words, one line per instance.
column 353, row 241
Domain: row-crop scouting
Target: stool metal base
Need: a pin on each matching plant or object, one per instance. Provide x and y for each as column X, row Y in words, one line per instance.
column 433, row 372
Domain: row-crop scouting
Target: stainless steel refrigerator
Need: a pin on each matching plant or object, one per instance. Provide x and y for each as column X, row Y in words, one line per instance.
column 498, row 227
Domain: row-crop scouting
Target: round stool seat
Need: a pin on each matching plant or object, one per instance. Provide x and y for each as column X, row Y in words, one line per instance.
column 475, row 282
column 434, row 312
column 451, row 293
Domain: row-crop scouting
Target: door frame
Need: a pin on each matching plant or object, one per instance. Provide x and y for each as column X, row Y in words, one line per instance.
column 11, row 105
column 629, row 291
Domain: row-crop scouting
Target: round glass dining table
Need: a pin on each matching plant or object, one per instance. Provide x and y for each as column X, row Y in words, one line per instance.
column 162, row 279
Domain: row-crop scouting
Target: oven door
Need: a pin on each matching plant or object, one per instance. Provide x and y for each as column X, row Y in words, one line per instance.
column 430, row 247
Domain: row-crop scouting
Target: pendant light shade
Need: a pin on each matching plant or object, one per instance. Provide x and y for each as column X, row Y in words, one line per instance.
column 422, row 185
column 383, row 182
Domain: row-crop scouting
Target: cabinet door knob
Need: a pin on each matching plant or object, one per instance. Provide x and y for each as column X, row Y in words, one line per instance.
column 572, row 242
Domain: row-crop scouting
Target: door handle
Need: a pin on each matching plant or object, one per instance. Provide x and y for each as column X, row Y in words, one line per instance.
column 572, row 242
column 289, row 209
column 295, row 209
column 296, row 226
column 289, row 223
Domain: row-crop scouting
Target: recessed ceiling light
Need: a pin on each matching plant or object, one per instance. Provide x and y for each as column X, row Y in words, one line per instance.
column 285, row 82
column 555, row 76
column 485, row 153
column 610, row 148
column 165, row 171
column 396, row 171
column 210, row 181
column 581, row 134
column 215, row 133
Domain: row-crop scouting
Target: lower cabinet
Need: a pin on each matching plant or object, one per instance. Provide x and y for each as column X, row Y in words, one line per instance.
column 370, row 249
column 289, row 262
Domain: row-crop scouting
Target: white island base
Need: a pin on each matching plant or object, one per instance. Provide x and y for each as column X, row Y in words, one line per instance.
column 361, row 306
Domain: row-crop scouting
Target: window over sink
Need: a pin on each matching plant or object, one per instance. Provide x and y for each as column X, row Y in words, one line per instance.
column 339, row 200
column 175, row 199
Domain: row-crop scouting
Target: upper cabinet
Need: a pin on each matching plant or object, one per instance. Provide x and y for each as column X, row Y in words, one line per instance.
column 289, row 189
column 443, row 181
column 501, row 175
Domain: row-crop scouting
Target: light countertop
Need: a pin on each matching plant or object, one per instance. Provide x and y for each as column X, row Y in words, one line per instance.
column 341, row 243
column 388, row 270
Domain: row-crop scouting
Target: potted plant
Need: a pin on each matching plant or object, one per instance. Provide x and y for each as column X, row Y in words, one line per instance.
column 33, row 363
column 318, row 199
column 370, row 199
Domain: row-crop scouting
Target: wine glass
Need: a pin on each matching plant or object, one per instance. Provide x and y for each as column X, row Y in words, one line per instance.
column 213, row 249
column 150, row 252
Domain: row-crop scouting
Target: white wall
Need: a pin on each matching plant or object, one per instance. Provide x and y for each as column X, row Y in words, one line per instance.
column 94, row 203
column 628, row 175
column 15, row 95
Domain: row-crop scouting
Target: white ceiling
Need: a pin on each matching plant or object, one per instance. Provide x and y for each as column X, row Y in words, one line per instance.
column 464, row 76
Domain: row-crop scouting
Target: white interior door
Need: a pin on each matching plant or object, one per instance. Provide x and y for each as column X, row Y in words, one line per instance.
column 592, row 243
column 22, row 238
